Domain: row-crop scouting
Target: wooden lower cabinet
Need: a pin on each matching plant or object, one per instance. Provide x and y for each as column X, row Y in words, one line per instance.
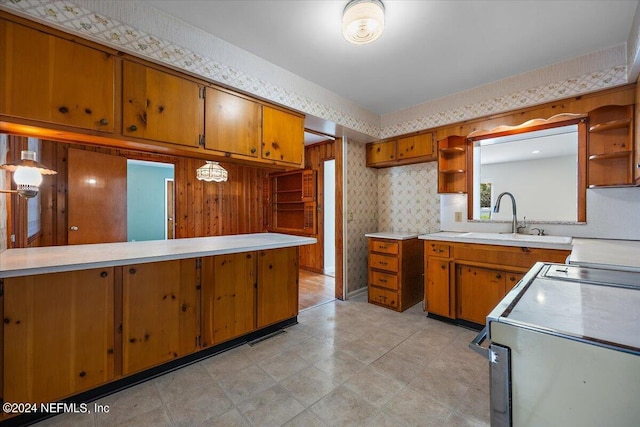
column 395, row 267
column 66, row 333
column 467, row 280
column 228, row 297
column 58, row 334
column 159, row 313
column 277, row 297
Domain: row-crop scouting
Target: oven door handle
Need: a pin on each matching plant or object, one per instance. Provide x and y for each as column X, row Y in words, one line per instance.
column 476, row 344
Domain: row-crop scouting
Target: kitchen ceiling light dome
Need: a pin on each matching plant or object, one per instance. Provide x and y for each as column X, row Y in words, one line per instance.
column 363, row 21
column 212, row 171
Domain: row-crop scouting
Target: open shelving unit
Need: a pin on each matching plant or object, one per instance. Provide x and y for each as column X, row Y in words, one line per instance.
column 452, row 165
column 610, row 151
column 293, row 202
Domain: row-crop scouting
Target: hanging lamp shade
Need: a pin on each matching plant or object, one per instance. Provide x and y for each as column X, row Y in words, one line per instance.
column 212, row 171
column 363, row 21
column 27, row 173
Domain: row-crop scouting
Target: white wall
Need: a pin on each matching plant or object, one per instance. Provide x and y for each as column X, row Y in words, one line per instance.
column 544, row 189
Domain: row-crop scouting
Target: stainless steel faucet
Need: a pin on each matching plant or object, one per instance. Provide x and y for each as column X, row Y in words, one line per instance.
column 514, row 219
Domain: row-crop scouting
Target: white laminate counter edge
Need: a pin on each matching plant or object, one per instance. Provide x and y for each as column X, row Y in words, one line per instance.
column 451, row 236
column 392, row 235
column 54, row 259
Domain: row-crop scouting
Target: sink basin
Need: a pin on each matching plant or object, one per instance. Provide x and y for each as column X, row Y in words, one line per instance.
column 557, row 240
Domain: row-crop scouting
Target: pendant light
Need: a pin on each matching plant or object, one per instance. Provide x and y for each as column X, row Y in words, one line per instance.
column 363, row 21
column 212, row 171
column 27, row 174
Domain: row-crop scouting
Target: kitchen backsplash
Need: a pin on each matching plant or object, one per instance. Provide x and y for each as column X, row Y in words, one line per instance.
column 408, row 198
column 362, row 214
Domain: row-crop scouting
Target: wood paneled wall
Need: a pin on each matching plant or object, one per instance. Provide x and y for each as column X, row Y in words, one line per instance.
column 312, row 256
column 202, row 208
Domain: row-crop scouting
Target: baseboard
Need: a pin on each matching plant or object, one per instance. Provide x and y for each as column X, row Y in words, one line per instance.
column 357, row 292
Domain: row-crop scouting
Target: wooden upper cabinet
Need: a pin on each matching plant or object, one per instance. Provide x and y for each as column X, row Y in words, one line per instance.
column 412, row 147
column 232, row 123
column 58, row 334
column 381, row 153
column 50, row 79
column 160, row 106
column 282, row 136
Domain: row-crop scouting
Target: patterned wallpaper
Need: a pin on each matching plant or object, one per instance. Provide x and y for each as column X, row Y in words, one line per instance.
column 408, row 198
column 362, row 214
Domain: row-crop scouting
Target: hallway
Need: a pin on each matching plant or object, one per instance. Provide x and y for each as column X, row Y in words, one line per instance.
column 315, row 289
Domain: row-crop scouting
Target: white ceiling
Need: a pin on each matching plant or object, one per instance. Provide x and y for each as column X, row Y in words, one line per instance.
column 429, row 49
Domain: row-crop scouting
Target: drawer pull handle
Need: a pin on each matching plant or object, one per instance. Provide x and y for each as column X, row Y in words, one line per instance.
column 103, row 122
column 63, row 110
column 133, row 128
column 382, row 247
column 498, row 276
column 382, row 263
column 385, row 280
column 443, row 267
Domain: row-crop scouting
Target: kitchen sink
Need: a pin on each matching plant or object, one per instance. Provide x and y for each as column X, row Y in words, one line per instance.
column 559, row 240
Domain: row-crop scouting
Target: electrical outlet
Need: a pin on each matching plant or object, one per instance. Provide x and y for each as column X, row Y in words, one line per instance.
column 458, row 216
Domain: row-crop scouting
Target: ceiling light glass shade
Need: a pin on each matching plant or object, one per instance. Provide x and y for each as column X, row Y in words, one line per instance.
column 212, row 171
column 27, row 173
column 363, row 21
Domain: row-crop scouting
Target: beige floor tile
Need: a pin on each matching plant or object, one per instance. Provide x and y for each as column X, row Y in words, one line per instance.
column 315, row 349
column 364, row 350
column 310, row 385
column 452, row 362
column 229, row 361
column 339, row 366
column 306, row 419
column 344, row 408
column 456, row 420
column 231, row 418
column 245, row 383
column 397, row 367
column 475, row 404
column 414, row 408
column 198, row 405
column 373, row 386
column 283, row 365
column 272, row 407
column 155, row 418
column 441, row 386
column 70, row 419
column 175, row 384
column 263, row 350
column 386, row 420
column 128, row 404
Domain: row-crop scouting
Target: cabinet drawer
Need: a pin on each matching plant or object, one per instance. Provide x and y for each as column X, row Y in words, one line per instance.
column 383, row 262
column 437, row 249
column 383, row 296
column 384, row 247
column 383, row 280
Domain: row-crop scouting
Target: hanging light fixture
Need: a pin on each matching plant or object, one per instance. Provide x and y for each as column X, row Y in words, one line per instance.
column 363, row 21
column 212, row 171
column 27, row 174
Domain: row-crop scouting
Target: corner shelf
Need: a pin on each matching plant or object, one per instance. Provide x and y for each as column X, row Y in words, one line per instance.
column 452, row 165
column 452, row 171
column 613, row 124
column 452, row 150
column 614, row 155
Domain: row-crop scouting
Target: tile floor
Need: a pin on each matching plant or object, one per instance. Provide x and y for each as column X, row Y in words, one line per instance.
column 347, row 363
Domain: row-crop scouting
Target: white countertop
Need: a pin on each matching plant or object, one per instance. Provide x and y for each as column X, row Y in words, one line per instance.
column 520, row 240
column 395, row 235
column 24, row 262
column 601, row 253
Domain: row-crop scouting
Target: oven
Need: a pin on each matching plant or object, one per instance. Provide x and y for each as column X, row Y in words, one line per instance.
column 565, row 349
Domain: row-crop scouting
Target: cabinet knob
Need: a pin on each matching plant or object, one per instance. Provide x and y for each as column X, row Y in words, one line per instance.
column 63, row 109
column 104, row 274
column 132, row 271
column 133, row 128
column 498, row 276
column 73, row 228
column 443, row 267
column 253, row 150
column 103, row 122
column 268, row 153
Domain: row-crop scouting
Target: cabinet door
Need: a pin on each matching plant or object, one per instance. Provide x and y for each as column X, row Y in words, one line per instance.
column 228, row 297
column 479, row 291
column 437, row 289
column 58, row 334
column 381, row 152
column 159, row 319
column 282, row 136
column 50, row 79
column 160, row 106
column 511, row 280
column 232, row 124
column 415, row 146
column 277, row 285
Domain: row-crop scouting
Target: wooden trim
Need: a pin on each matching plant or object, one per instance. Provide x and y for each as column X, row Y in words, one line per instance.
column 563, row 119
column 117, row 321
column 339, row 149
column 582, row 171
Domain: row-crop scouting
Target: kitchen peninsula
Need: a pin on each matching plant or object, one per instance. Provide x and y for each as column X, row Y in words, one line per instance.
column 85, row 320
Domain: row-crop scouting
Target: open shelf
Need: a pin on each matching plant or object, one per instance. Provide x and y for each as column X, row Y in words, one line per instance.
column 614, row 155
column 452, row 150
column 452, row 171
column 613, row 124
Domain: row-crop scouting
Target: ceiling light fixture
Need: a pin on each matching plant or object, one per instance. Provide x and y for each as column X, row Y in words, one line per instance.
column 212, row 171
column 27, row 174
column 363, row 21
